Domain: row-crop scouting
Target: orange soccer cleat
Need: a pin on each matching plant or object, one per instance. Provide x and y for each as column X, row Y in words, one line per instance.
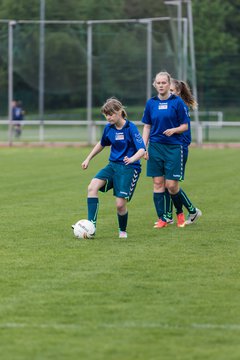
column 180, row 220
column 160, row 224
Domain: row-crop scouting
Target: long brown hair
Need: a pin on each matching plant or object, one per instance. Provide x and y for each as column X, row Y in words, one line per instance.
column 184, row 91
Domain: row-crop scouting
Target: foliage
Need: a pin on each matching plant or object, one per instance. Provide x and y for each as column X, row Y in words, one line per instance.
column 216, row 32
column 217, row 49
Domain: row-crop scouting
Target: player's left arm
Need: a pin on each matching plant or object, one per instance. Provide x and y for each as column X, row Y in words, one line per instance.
column 177, row 130
column 183, row 116
column 137, row 156
column 139, row 144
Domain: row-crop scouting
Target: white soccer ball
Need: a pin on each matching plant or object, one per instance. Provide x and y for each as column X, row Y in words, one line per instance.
column 84, row 229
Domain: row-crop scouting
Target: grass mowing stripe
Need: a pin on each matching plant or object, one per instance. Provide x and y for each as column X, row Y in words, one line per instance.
column 127, row 325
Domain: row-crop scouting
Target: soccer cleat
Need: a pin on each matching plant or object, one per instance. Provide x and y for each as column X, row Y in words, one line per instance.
column 192, row 218
column 160, row 224
column 169, row 221
column 180, row 220
column 72, row 226
column 122, row 234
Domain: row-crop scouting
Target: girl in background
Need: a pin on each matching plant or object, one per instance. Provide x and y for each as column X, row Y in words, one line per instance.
column 181, row 88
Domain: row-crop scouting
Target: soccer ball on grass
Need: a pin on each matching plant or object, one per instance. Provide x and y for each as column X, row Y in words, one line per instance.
column 84, row 229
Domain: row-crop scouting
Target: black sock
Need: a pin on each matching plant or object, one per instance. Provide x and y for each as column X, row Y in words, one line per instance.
column 187, row 203
column 177, row 201
column 122, row 221
column 93, row 205
column 160, row 204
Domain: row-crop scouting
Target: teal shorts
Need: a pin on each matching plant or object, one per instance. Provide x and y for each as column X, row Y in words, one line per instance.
column 119, row 177
column 165, row 160
column 185, row 157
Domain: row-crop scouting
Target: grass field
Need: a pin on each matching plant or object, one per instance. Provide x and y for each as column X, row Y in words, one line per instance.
column 169, row 294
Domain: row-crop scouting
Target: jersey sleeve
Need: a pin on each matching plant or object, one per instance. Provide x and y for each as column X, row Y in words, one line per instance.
column 137, row 137
column 183, row 112
column 146, row 119
column 105, row 139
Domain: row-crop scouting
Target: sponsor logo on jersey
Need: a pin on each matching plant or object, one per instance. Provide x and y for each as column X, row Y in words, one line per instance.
column 119, row 136
column 162, row 106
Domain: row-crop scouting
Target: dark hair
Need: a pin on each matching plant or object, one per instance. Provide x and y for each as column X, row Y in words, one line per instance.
column 113, row 105
column 185, row 93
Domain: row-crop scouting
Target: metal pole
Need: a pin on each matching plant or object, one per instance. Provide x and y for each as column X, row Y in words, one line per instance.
column 149, row 59
column 179, row 17
column 178, row 41
column 193, row 67
column 89, row 83
column 185, row 47
column 41, row 69
column 11, row 24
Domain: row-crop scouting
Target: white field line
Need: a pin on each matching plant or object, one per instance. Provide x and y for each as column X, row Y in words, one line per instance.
column 124, row 325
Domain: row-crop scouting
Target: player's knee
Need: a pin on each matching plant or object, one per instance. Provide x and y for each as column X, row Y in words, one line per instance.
column 172, row 187
column 121, row 206
column 92, row 189
column 158, row 185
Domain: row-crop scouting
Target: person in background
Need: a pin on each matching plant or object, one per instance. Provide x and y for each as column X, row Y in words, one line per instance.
column 122, row 172
column 181, row 88
column 17, row 117
column 165, row 118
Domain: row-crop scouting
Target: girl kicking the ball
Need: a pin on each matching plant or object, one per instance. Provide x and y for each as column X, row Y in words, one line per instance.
column 122, row 172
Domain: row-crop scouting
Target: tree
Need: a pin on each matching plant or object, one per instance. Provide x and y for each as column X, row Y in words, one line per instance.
column 216, row 33
column 216, row 48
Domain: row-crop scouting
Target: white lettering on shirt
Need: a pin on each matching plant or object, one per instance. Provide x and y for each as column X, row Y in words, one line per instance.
column 162, row 106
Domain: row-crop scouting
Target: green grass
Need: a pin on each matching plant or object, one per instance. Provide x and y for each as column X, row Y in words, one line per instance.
column 170, row 294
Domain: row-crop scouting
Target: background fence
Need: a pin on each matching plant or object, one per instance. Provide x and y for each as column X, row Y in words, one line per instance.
column 84, row 63
column 74, row 131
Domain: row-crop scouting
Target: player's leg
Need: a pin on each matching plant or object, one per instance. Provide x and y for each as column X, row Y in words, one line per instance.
column 174, row 173
column 92, row 198
column 124, row 184
column 193, row 212
column 159, row 201
column 187, row 202
column 169, row 207
column 155, row 169
column 173, row 188
column 122, row 214
column 101, row 182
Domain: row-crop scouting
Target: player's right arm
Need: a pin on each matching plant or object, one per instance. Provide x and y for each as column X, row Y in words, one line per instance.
column 145, row 136
column 96, row 150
